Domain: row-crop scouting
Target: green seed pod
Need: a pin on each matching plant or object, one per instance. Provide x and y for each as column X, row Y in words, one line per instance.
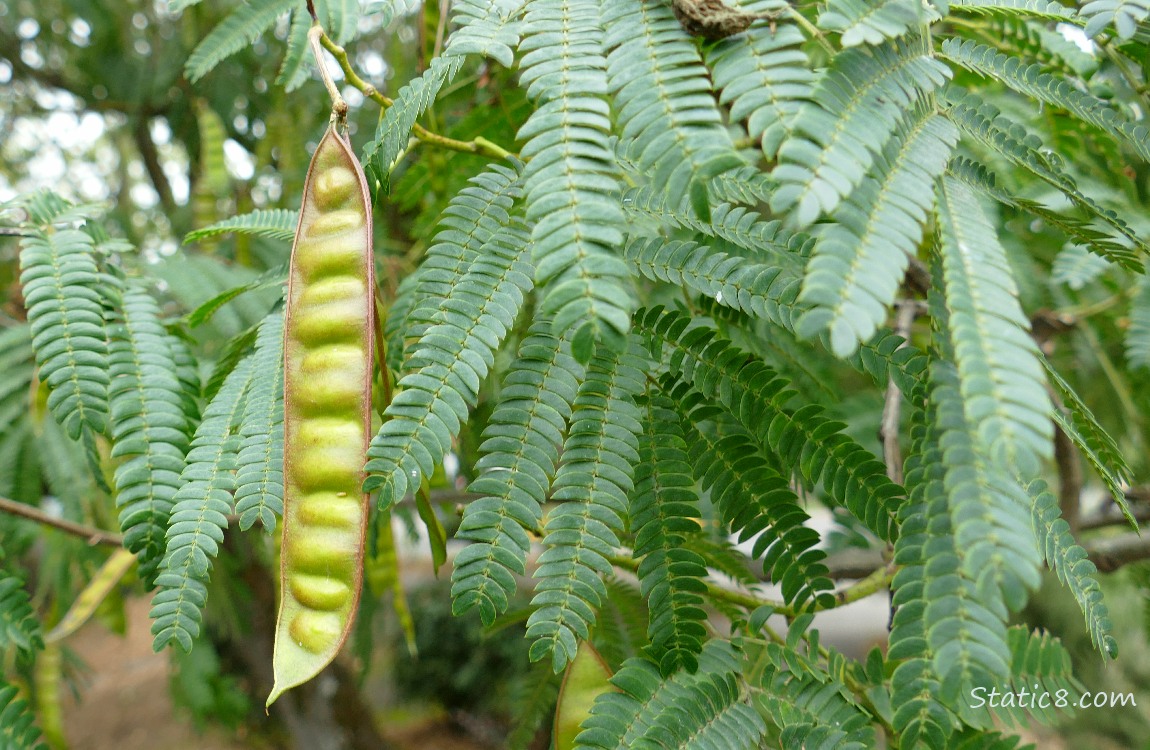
column 328, row 350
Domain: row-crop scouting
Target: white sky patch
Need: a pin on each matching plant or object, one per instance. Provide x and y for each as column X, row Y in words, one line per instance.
column 1078, row 36
column 241, row 166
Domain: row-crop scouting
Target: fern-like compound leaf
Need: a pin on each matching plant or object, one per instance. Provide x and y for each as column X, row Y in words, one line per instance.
column 1052, row 90
column 854, row 110
column 488, row 28
column 764, row 76
column 519, row 455
column 920, row 717
column 667, row 118
column 273, row 223
column 621, row 719
column 234, row 33
column 591, row 487
column 449, row 362
column 410, row 103
column 1002, row 382
column 663, row 508
column 1093, row 441
column 19, row 628
column 807, row 442
column 1046, row 10
column 980, row 178
column 259, row 494
column 986, row 124
column 470, row 220
column 18, row 729
column 63, row 294
column 149, row 425
column 1069, row 561
column 754, row 500
column 1124, row 15
column 808, row 708
column 704, row 710
column 860, row 260
column 200, row 515
column 861, row 22
column 572, row 179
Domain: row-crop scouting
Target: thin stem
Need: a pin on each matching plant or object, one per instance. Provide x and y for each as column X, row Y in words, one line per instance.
column 92, row 534
column 338, row 105
column 478, row 145
column 875, row 582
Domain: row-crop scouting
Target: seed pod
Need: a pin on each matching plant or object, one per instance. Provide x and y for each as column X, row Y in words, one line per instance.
column 585, row 680
column 328, row 351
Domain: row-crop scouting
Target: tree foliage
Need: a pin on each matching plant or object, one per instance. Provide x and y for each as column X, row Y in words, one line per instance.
column 650, row 279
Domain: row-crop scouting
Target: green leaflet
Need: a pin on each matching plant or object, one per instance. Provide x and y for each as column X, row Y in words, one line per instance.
column 571, row 179
column 449, row 362
column 681, row 711
column 275, row 223
column 18, row 729
column 199, row 517
column 861, row 22
column 764, row 76
column 1069, row 561
column 520, row 452
column 150, row 426
column 1124, row 15
column 470, row 220
column 412, row 101
column 754, row 499
column 1000, row 376
column 663, row 508
column 808, row 443
column 63, row 293
column 234, row 33
column 667, row 119
column 986, row 124
column 591, row 489
column 1031, row 81
column 259, row 493
column 488, row 28
column 854, row 110
column 859, row 262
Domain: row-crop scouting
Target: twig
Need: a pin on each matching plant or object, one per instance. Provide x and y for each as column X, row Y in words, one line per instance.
column 338, row 105
column 892, row 406
column 92, row 534
column 876, row 581
column 1113, row 552
column 478, row 145
column 1069, row 478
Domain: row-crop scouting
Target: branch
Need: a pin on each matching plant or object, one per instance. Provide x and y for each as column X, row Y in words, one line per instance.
column 877, row 580
column 92, row 534
column 151, row 158
column 1113, row 552
column 892, row 407
column 479, row 145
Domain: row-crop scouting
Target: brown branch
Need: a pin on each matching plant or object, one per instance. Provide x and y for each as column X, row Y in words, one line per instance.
column 1113, row 552
column 1069, row 478
column 151, row 158
column 92, row 534
column 892, row 406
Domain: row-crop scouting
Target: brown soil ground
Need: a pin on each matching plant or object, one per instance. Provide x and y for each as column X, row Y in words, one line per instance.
column 124, row 701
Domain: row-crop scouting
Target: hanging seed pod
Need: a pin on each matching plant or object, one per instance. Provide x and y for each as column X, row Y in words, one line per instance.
column 328, row 339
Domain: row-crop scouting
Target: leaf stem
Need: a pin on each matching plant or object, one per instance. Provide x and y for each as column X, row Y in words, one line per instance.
column 478, row 145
